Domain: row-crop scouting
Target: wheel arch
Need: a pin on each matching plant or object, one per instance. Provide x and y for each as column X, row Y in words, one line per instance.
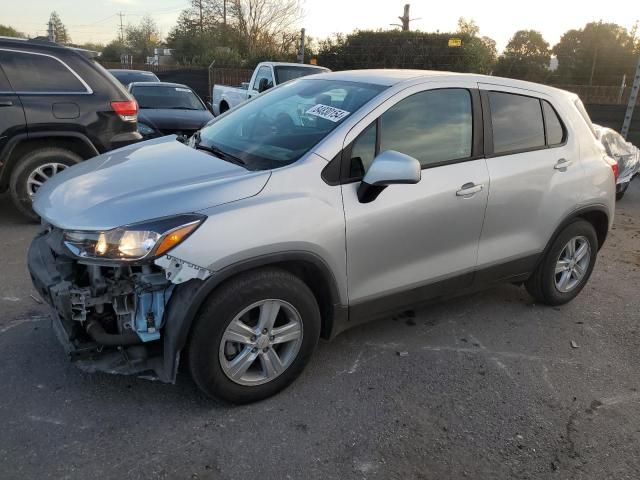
column 189, row 297
column 21, row 145
column 596, row 215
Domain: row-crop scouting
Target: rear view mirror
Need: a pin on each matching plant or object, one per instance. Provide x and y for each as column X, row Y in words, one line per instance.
column 388, row 168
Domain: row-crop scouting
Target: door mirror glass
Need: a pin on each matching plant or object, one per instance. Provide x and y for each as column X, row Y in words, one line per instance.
column 388, row 168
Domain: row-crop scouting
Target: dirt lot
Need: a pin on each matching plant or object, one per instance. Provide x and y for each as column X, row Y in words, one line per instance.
column 491, row 388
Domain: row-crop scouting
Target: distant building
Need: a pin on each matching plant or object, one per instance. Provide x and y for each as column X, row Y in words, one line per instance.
column 553, row 64
column 161, row 56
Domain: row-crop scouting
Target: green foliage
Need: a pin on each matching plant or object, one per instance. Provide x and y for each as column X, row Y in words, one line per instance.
column 7, row 31
column 255, row 30
column 112, row 51
column 526, row 57
column 141, row 39
column 413, row 49
column 608, row 47
column 62, row 35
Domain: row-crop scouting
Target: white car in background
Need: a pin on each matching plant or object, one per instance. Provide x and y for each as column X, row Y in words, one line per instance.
column 625, row 153
column 265, row 76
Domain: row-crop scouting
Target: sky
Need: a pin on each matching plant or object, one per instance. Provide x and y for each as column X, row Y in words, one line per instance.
column 98, row 20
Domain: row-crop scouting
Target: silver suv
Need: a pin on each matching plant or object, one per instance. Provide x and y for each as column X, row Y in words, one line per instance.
column 329, row 201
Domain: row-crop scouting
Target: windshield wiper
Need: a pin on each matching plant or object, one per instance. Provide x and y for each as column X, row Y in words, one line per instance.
column 216, row 151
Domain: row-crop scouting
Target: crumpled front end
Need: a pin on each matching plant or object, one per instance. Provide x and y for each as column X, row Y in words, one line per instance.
column 111, row 317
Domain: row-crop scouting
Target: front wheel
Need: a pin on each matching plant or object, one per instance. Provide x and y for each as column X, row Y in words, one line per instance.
column 254, row 336
column 567, row 266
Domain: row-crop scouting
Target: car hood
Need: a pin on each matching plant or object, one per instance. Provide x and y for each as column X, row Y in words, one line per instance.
column 172, row 120
column 148, row 180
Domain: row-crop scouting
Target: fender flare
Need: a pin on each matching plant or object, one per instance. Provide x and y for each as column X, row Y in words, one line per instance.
column 578, row 213
column 188, row 298
column 25, row 137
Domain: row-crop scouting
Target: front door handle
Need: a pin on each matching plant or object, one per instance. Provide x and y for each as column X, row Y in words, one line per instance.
column 6, row 103
column 562, row 164
column 469, row 189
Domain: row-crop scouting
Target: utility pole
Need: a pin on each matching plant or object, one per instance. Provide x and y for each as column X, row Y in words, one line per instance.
column 405, row 18
column 633, row 98
column 224, row 13
column 121, row 15
column 200, row 8
column 301, row 53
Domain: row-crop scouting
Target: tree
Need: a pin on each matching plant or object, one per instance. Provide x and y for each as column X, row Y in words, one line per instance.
column 526, row 57
column 266, row 24
column 413, row 49
column 62, row 36
column 7, row 31
column 468, row 27
column 599, row 54
column 113, row 50
column 141, row 39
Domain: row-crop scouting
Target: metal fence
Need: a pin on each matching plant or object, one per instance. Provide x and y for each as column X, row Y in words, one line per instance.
column 600, row 95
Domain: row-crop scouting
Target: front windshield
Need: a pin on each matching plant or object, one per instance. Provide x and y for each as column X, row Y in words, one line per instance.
column 279, row 127
column 179, row 98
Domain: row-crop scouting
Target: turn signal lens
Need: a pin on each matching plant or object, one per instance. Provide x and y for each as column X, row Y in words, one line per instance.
column 174, row 238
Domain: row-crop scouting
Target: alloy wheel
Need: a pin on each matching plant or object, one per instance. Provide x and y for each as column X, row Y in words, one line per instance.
column 261, row 342
column 572, row 264
column 41, row 175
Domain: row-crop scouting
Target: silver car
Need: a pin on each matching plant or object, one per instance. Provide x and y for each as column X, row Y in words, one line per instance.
column 329, row 201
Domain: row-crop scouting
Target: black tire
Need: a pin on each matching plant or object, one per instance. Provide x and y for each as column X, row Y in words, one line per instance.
column 542, row 284
column 28, row 164
column 623, row 189
column 218, row 312
column 223, row 107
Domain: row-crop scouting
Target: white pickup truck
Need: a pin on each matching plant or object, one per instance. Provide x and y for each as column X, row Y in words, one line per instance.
column 265, row 76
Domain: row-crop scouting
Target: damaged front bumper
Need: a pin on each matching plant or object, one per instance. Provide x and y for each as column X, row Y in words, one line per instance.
column 124, row 319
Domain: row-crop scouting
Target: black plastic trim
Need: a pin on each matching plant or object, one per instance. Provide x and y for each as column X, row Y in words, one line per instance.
column 188, row 298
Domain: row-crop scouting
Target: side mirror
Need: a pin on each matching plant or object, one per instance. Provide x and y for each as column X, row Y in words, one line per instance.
column 263, row 85
column 388, row 168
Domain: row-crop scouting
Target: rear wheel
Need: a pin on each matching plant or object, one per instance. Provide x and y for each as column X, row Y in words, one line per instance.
column 33, row 170
column 567, row 266
column 254, row 336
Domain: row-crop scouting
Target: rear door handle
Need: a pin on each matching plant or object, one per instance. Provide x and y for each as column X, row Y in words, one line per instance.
column 562, row 164
column 469, row 189
column 6, row 103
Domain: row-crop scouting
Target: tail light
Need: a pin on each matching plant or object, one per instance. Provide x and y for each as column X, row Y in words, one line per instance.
column 614, row 166
column 127, row 110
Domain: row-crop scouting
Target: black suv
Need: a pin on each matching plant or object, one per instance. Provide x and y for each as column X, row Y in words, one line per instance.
column 58, row 106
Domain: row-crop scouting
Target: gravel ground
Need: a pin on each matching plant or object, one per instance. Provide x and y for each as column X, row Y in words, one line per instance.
column 491, row 387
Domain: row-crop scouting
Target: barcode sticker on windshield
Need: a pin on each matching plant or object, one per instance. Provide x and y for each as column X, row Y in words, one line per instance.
column 328, row 113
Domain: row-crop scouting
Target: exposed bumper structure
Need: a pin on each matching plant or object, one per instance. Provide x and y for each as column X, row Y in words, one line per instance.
column 110, row 318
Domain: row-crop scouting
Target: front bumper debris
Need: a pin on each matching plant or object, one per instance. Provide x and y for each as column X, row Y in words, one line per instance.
column 108, row 318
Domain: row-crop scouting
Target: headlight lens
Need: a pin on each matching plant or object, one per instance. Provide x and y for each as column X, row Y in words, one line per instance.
column 145, row 129
column 133, row 242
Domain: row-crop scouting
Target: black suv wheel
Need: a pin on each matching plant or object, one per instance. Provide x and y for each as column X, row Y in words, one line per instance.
column 33, row 170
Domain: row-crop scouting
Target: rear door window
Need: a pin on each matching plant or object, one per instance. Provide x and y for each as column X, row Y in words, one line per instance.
column 36, row 73
column 554, row 127
column 517, row 122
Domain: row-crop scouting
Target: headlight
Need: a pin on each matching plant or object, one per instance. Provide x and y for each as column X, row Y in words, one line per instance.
column 133, row 242
column 145, row 129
